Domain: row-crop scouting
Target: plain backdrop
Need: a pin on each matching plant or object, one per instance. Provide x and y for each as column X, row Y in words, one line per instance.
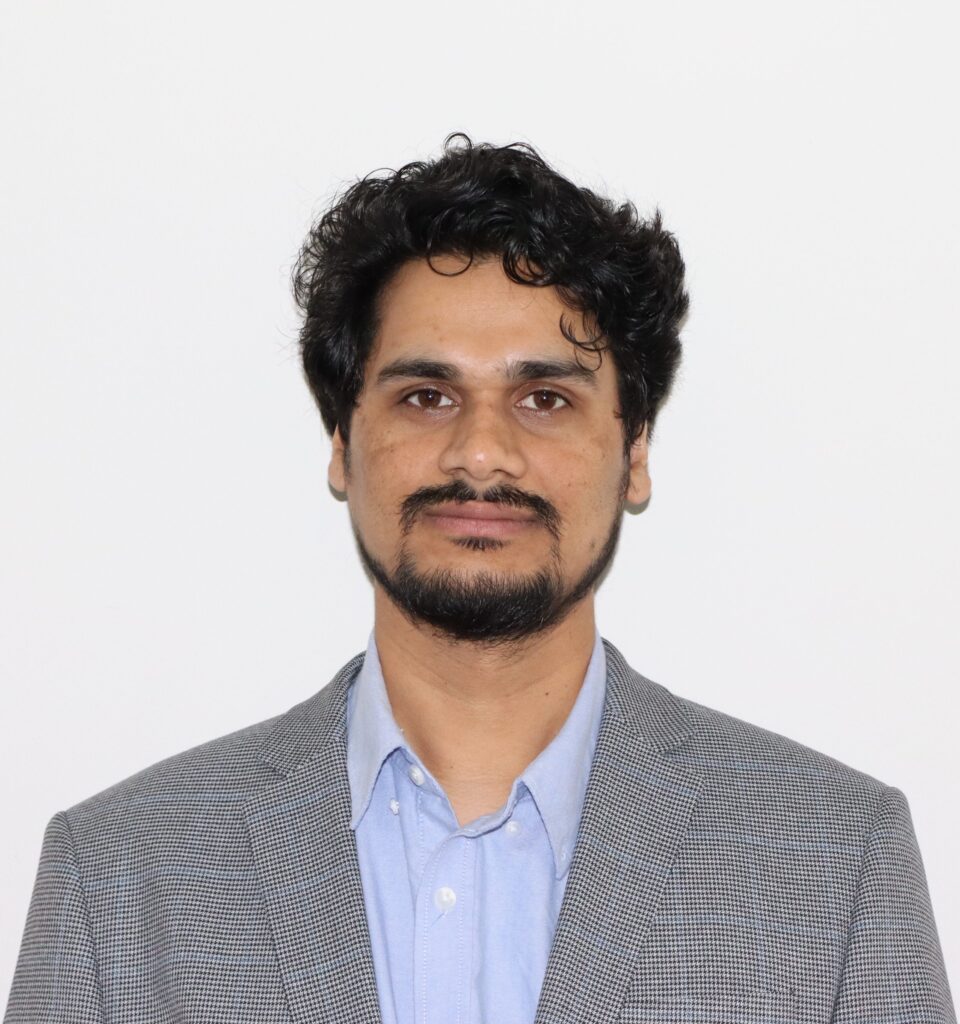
column 173, row 565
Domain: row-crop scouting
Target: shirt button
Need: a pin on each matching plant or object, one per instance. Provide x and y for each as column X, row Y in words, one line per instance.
column 416, row 776
column 445, row 898
column 512, row 827
column 395, row 806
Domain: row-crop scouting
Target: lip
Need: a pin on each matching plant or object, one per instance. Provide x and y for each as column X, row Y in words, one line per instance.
column 480, row 519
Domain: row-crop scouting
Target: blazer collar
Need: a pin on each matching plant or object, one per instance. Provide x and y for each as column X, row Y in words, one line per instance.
column 307, row 728
column 636, row 811
column 655, row 717
column 650, row 712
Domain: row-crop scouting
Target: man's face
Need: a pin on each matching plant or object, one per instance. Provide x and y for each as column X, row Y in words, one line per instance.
column 472, row 393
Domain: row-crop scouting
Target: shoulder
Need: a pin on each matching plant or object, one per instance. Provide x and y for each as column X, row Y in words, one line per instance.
column 721, row 740
column 773, row 792
column 732, row 750
column 208, row 781
column 745, row 770
column 205, row 789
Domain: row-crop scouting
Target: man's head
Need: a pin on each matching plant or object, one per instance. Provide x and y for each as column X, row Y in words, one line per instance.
column 458, row 315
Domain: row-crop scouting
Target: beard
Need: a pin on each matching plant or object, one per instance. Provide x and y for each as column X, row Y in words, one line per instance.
column 485, row 607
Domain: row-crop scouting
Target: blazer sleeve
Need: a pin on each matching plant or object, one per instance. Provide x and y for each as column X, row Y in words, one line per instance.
column 893, row 969
column 56, row 980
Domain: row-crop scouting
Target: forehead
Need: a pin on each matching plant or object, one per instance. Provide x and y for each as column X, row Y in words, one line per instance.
column 478, row 319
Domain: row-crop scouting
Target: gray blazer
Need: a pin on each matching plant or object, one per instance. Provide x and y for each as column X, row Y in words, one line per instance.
column 722, row 875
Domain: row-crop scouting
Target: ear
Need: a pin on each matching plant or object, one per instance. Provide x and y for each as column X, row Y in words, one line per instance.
column 337, row 470
column 639, row 487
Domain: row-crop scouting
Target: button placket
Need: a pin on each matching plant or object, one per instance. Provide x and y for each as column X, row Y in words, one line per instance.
column 444, row 919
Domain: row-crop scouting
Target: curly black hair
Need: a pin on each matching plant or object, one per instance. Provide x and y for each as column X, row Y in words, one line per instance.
column 476, row 200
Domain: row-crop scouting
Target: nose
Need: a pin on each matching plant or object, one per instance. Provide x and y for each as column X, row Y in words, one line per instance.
column 483, row 444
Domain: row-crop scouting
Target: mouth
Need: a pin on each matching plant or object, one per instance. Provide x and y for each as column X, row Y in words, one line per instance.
column 480, row 519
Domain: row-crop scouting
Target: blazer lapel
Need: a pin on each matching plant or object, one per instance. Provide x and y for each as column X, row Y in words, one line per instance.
column 306, row 860
column 636, row 811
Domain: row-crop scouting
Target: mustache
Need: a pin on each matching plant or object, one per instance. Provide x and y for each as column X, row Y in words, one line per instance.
column 459, row 491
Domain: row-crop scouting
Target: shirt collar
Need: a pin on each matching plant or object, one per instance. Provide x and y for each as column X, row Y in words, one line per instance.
column 372, row 732
column 556, row 778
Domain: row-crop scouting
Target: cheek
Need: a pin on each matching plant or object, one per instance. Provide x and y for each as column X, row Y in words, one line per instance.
column 380, row 448
column 588, row 474
column 384, row 470
column 589, row 495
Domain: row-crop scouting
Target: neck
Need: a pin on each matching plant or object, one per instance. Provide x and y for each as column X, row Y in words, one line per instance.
column 477, row 715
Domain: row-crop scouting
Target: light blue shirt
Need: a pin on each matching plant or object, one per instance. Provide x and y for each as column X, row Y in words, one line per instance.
column 462, row 918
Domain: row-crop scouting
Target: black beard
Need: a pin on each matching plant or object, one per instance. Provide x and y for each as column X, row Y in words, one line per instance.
column 485, row 607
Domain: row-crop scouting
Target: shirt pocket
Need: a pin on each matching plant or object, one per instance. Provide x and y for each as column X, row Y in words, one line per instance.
column 726, row 1008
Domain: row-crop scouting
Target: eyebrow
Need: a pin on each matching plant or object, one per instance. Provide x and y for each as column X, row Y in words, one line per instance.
column 519, row 371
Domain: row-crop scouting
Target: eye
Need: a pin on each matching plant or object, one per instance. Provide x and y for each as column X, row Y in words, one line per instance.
column 543, row 400
column 428, row 398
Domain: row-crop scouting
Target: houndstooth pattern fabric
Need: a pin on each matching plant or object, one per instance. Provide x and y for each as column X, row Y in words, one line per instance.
column 723, row 874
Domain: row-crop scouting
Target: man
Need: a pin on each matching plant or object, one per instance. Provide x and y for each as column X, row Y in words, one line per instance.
column 489, row 816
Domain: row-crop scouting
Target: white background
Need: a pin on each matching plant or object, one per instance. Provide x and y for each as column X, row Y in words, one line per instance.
column 173, row 565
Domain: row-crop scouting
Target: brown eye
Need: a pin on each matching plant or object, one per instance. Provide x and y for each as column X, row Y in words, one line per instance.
column 428, row 398
column 543, row 400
